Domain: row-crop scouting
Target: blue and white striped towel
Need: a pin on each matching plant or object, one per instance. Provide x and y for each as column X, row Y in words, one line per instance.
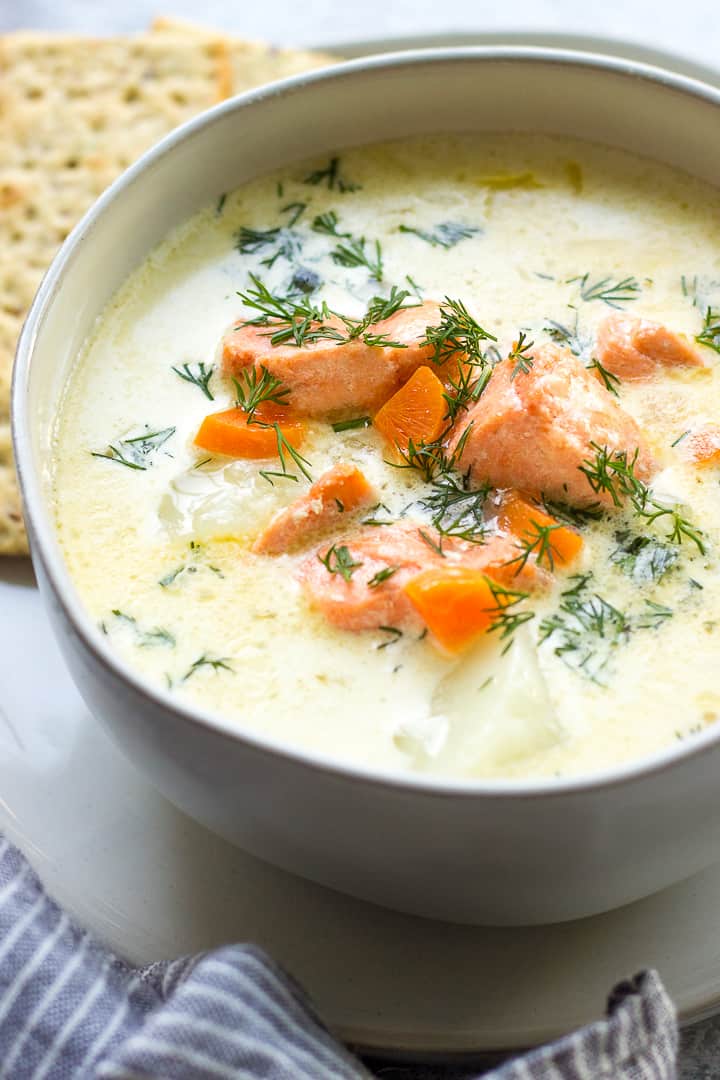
column 70, row 1010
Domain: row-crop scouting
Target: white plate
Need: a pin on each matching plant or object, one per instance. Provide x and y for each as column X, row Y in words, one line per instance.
column 153, row 884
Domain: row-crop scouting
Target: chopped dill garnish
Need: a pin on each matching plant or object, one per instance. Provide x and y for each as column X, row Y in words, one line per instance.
column 375, row 521
column 168, row 579
column 327, row 224
column 253, row 389
column 331, row 177
column 573, row 515
column 395, row 635
column 643, row 558
column 434, row 545
column 221, row 204
column 680, row 438
column 282, row 242
column 354, row 254
column 295, row 210
column 446, row 235
column 417, row 291
column 338, row 560
column 586, row 629
column 457, row 332
column 200, row 377
column 579, row 343
column 521, row 353
column 136, row 453
column 381, row 576
column 299, row 322
column 537, row 541
column 504, row 621
column 613, row 472
column 203, row 461
column 156, row 635
column 710, row 333
column 465, row 389
column 457, row 509
column 283, row 448
column 351, row 425
column 216, row 663
column 609, row 381
column 612, row 293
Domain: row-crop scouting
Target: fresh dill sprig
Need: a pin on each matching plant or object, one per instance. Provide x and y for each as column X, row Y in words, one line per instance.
column 253, row 389
column 332, row 178
column 327, row 225
column 446, row 235
column 521, row 353
column 216, row 663
column 612, row 293
column 465, row 389
column 613, row 472
column 136, row 453
column 283, row 448
column 456, row 509
column 354, row 253
column 281, row 242
column 382, row 575
column 457, row 333
column 431, row 459
column 710, row 333
column 289, row 320
column 338, row 560
column 299, row 322
column 505, row 621
column 537, row 541
column 586, row 628
column 200, row 377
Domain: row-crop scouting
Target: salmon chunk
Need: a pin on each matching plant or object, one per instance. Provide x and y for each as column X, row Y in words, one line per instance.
column 633, row 348
column 702, row 446
column 369, row 597
column 339, row 491
column 532, row 430
column 329, row 379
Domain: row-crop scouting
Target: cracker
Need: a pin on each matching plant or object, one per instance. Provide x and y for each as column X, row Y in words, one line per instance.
column 75, row 112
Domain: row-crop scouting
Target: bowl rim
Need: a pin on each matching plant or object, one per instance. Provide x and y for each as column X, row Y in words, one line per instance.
column 46, row 550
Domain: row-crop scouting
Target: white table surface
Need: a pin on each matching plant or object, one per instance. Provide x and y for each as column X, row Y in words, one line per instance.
column 690, row 30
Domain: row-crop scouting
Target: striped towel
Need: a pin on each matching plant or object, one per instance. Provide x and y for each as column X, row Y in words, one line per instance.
column 70, row 1010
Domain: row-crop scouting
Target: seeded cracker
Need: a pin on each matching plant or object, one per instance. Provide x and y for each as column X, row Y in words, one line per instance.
column 75, row 112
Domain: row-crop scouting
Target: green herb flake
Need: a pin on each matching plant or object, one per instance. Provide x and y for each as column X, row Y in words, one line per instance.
column 338, row 560
column 200, row 376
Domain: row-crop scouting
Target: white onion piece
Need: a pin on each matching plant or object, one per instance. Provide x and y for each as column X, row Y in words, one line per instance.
column 233, row 500
column 498, row 707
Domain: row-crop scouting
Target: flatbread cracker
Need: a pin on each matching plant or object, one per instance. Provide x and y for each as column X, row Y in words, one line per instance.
column 75, row 112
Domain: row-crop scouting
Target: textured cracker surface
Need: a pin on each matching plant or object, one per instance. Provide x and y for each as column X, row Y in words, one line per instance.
column 75, row 112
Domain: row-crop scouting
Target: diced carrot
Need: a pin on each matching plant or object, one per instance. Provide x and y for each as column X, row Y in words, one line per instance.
column 230, row 434
column 338, row 492
column 528, row 523
column 417, row 411
column 702, row 446
column 456, row 603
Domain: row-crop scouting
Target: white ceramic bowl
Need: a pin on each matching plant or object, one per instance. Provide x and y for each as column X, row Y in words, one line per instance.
column 500, row 852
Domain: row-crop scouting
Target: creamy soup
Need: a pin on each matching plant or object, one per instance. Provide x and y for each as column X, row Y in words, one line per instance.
column 495, row 361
